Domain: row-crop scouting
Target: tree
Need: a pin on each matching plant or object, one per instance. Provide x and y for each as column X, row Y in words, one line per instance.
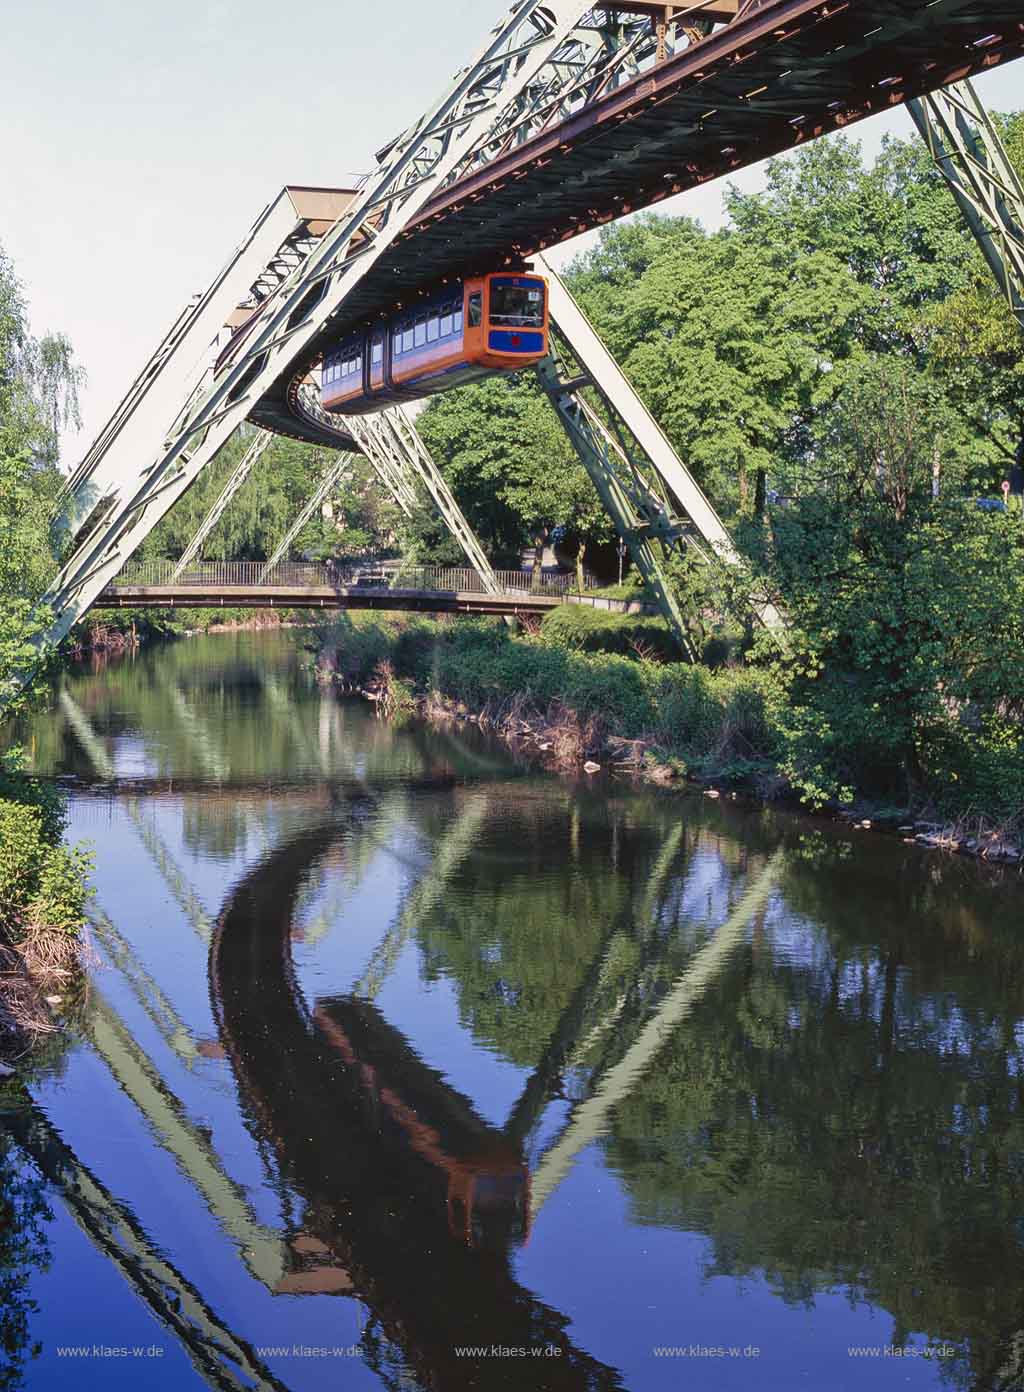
column 506, row 457
column 28, row 478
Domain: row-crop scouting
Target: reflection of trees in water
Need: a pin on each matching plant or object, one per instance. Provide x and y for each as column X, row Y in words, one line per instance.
column 24, row 1213
column 24, row 1250
column 843, row 1110
column 847, row 1110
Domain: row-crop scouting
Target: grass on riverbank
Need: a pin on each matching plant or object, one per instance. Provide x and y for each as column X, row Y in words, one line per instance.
column 710, row 723
column 734, row 725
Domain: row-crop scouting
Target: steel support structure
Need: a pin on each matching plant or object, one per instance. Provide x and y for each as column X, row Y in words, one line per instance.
column 278, row 241
column 967, row 150
column 339, row 470
column 242, row 471
column 393, row 440
column 285, row 326
column 653, row 499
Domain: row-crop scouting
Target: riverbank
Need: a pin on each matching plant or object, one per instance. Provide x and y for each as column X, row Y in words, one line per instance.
column 44, row 888
column 121, row 630
column 724, row 730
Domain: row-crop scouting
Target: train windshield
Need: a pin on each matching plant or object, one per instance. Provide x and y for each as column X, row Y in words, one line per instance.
column 519, row 306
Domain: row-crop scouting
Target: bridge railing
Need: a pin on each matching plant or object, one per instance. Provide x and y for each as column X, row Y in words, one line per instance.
column 220, row 575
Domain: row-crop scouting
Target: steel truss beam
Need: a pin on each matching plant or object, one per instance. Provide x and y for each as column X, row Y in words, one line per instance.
column 388, row 469
column 242, row 471
column 282, row 236
column 413, row 169
column 970, row 155
column 392, row 440
column 339, row 471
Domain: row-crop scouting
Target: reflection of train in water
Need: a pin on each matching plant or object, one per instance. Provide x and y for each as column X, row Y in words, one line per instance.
column 410, row 1200
column 482, row 1174
column 463, row 331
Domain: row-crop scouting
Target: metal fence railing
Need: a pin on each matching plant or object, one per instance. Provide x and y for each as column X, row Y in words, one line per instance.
column 310, row 575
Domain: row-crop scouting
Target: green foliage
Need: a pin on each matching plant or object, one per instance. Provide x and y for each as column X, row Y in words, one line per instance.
column 503, row 451
column 41, row 884
column 355, row 520
column 38, row 395
column 61, row 890
column 718, row 722
column 583, row 629
column 22, row 851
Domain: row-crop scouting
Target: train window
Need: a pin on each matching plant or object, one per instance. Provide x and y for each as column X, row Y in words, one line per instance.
column 432, row 329
column 377, row 353
column 421, row 332
column 407, row 339
column 457, row 320
column 396, row 341
column 476, row 310
column 446, row 322
column 518, row 306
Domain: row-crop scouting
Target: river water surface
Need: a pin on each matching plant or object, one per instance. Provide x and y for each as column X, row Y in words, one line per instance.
column 404, row 1067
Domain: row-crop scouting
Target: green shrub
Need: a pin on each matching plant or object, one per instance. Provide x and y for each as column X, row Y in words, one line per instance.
column 62, row 890
column 43, row 884
column 580, row 628
column 22, row 853
column 46, row 798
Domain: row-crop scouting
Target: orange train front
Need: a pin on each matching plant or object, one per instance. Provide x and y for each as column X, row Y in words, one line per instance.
column 462, row 332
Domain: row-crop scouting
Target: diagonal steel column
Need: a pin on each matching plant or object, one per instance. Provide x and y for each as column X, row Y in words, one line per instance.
column 968, row 152
column 242, row 471
column 338, row 471
column 653, row 499
column 395, row 441
column 389, row 470
column 410, row 172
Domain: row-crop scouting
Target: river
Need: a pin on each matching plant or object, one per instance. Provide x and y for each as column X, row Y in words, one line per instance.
column 404, row 1066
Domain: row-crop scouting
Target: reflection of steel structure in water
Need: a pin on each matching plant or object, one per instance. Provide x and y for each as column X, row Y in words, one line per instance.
column 395, row 1166
column 590, row 1118
column 455, row 845
column 454, row 1189
column 259, row 1246
column 217, row 1354
column 147, row 991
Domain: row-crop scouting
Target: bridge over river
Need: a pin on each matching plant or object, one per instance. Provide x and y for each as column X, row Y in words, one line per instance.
column 287, row 585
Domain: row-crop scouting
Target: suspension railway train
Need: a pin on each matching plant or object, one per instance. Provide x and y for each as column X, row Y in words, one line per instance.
column 463, row 331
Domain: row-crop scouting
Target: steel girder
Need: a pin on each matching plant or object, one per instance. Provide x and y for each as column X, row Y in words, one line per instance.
column 392, row 441
column 388, row 469
column 279, row 237
column 970, row 155
column 338, row 471
column 638, row 507
column 290, row 316
column 242, row 471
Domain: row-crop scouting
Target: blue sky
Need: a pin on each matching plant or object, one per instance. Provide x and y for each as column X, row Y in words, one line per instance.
column 141, row 139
